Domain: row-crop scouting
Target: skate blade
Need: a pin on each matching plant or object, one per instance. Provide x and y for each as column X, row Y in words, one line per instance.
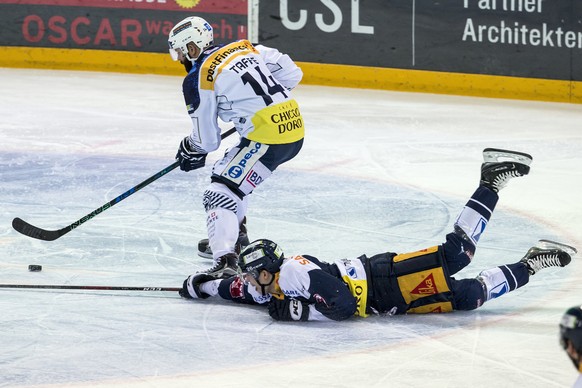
column 548, row 244
column 205, row 255
column 499, row 155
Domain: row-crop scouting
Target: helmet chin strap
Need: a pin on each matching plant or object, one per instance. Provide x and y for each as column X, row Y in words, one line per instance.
column 264, row 286
column 189, row 58
column 188, row 66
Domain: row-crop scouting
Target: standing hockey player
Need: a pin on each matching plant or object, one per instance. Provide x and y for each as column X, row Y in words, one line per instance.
column 248, row 86
column 571, row 338
column 302, row 288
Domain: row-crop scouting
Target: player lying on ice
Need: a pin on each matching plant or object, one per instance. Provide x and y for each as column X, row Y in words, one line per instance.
column 302, row 288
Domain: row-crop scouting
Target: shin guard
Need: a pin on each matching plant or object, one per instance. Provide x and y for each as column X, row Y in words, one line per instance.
column 476, row 214
column 224, row 213
column 503, row 279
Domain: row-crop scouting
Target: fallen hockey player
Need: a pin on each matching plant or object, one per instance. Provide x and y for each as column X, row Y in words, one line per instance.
column 302, row 288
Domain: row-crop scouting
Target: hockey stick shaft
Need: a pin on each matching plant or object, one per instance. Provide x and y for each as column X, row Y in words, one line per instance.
column 30, row 230
column 49, row 235
column 101, row 288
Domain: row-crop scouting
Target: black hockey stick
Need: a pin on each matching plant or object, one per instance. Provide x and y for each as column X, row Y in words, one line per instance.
column 29, row 230
column 103, row 288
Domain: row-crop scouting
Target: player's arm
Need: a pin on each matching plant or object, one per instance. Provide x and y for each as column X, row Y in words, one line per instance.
column 203, row 111
column 239, row 291
column 312, row 294
column 330, row 297
column 205, row 134
column 203, row 286
column 281, row 66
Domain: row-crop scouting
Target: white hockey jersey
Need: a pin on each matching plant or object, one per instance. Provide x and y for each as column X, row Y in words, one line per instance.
column 248, row 86
column 305, row 278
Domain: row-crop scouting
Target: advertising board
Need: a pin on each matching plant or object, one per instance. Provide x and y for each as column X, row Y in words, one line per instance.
column 127, row 25
column 523, row 38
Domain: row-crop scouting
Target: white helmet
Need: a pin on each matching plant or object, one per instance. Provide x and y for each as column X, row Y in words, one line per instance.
column 190, row 30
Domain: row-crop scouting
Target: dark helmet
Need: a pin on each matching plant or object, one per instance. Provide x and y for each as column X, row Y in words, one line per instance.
column 259, row 255
column 571, row 329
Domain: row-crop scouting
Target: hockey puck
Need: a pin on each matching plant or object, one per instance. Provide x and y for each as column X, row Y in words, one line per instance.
column 35, row 268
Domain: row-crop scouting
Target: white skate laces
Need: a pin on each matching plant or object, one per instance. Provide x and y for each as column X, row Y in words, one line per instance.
column 501, row 180
column 548, row 254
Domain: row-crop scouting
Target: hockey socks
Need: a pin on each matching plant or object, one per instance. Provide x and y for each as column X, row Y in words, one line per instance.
column 476, row 214
column 503, row 279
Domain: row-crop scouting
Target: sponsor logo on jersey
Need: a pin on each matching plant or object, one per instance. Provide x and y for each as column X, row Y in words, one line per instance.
column 235, row 171
column 358, row 293
column 479, row 229
column 288, row 118
column 354, row 275
column 262, row 298
column 238, row 169
column 438, row 307
column 254, row 178
column 280, row 123
column 213, row 65
column 291, row 293
column 499, row 290
column 426, row 287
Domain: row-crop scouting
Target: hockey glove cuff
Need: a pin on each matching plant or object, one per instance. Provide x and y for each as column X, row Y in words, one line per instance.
column 188, row 158
column 288, row 310
column 191, row 287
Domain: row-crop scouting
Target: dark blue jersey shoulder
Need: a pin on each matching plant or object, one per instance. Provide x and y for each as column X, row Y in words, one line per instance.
column 190, row 84
column 326, row 267
column 330, row 295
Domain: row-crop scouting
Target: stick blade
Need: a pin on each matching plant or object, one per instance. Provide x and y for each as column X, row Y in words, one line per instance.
column 29, row 230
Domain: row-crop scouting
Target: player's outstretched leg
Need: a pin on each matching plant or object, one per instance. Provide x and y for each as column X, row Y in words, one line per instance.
column 495, row 282
column 500, row 280
column 547, row 254
column 499, row 166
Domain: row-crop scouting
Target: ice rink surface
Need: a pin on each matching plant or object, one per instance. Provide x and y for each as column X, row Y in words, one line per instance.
column 380, row 171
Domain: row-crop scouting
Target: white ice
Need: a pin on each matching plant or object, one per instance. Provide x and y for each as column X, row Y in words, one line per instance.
column 380, row 171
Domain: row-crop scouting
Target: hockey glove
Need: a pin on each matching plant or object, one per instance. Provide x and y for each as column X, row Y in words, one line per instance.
column 188, row 158
column 191, row 287
column 288, row 310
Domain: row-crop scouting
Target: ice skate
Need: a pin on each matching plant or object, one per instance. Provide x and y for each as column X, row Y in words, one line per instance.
column 499, row 166
column 548, row 254
column 205, row 251
column 226, row 267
